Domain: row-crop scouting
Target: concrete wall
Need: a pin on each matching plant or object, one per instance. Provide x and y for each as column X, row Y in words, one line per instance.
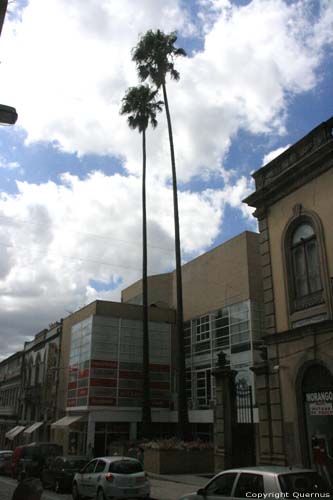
column 227, row 274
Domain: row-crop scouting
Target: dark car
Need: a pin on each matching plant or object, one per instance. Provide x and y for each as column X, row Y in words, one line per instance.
column 36, row 455
column 60, row 473
column 5, row 461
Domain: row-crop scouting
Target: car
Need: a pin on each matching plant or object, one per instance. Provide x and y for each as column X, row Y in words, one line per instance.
column 59, row 474
column 38, row 455
column 266, row 482
column 5, row 461
column 111, row 477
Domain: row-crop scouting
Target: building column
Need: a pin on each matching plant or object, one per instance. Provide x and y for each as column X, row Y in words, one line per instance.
column 271, row 439
column 225, row 416
column 90, row 435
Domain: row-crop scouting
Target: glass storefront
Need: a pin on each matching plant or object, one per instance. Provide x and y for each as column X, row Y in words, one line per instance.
column 318, row 409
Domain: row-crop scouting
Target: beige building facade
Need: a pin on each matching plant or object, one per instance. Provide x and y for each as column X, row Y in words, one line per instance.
column 294, row 207
column 223, row 312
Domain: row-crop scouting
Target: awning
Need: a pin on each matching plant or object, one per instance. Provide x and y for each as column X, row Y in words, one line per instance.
column 65, row 422
column 32, row 428
column 14, row 432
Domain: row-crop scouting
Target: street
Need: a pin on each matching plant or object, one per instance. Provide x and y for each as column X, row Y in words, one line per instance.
column 161, row 490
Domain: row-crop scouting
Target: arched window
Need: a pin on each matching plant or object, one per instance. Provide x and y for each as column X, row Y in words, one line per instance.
column 305, row 260
column 305, row 269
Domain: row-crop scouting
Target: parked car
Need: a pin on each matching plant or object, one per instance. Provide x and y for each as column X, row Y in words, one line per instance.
column 106, row 477
column 38, row 455
column 253, row 483
column 5, row 461
column 59, row 474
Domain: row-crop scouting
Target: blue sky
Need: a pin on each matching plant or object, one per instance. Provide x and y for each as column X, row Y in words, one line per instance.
column 257, row 78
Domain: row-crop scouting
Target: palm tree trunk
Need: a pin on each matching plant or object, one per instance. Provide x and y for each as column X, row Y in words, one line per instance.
column 183, row 422
column 146, row 410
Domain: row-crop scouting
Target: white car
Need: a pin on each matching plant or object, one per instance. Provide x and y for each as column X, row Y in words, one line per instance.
column 111, row 477
column 263, row 483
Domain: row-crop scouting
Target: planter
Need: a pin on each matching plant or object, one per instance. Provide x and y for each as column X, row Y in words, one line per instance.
column 179, row 461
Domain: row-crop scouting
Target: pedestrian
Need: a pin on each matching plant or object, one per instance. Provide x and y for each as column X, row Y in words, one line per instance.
column 30, row 488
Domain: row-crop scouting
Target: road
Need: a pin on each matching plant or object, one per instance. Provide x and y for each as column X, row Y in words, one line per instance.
column 161, row 490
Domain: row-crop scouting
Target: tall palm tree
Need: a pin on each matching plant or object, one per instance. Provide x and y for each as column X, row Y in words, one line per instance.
column 154, row 56
column 141, row 106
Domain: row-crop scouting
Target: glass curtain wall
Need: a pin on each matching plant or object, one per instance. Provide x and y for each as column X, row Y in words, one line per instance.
column 235, row 330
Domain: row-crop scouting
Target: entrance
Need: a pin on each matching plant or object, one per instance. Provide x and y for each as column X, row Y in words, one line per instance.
column 317, row 392
column 243, row 428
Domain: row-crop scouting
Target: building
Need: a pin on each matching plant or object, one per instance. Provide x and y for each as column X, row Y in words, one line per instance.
column 294, row 207
column 100, row 376
column 39, row 384
column 10, row 389
column 223, row 297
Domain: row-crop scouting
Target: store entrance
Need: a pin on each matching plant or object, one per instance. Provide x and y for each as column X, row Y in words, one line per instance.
column 317, row 391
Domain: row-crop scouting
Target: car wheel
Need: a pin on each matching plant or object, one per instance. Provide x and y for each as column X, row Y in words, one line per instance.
column 75, row 492
column 57, row 486
column 100, row 494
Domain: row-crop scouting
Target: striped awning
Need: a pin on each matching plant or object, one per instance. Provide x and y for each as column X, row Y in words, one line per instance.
column 15, row 431
column 33, row 428
column 65, row 422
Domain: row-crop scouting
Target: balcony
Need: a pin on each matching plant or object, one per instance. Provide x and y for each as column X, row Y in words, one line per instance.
column 7, row 411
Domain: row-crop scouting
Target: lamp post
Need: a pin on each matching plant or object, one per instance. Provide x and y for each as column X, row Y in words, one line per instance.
column 8, row 115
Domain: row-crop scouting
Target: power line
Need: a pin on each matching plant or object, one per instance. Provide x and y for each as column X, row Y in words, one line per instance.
column 66, row 257
column 91, row 235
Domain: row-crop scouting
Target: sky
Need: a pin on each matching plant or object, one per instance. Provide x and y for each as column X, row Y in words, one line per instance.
column 257, row 78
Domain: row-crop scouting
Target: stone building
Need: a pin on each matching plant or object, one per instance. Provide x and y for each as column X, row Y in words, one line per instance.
column 294, row 207
column 39, row 384
column 10, row 389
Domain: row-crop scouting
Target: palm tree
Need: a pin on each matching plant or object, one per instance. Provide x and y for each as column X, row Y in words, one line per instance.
column 141, row 105
column 154, row 56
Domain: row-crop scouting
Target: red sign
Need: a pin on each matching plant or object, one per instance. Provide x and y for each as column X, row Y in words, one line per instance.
column 72, row 385
column 129, row 374
column 98, row 363
column 71, row 402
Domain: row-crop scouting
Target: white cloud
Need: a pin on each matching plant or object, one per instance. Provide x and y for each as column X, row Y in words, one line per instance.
column 67, row 68
column 90, row 229
column 8, row 165
column 274, row 154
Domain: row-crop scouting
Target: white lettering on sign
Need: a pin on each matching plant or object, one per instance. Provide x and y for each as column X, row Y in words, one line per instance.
column 320, row 396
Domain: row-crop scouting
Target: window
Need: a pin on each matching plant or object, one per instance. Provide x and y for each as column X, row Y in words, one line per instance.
column 203, row 387
column 89, row 469
column 202, row 329
column 222, row 485
column 125, row 467
column 100, row 466
column 305, row 261
column 305, row 270
column 249, row 483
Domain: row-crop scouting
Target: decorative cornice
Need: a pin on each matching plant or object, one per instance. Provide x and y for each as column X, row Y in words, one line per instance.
column 321, row 327
column 302, row 162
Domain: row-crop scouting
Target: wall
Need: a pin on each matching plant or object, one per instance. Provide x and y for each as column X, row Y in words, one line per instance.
column 315, row 196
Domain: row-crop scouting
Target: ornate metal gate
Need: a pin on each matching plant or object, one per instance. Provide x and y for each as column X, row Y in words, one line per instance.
column 243, row 429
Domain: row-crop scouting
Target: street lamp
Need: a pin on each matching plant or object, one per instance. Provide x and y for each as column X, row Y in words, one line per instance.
column 8, row 115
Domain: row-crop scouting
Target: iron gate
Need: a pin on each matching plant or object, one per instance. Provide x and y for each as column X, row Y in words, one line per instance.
column 243, row 450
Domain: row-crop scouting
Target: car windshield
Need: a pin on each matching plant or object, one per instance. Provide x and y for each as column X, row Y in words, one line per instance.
column 51, row 450
column 73, row 463
column 303, row 482
column 125, row 467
